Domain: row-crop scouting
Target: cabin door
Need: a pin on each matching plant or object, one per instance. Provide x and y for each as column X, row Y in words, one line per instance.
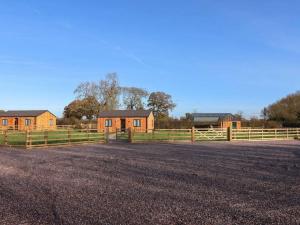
column 123, row 124
column 16, row 123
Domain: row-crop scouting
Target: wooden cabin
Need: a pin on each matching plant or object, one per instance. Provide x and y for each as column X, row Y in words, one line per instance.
column 121, row 120
column 215, row 120
column 27, row 120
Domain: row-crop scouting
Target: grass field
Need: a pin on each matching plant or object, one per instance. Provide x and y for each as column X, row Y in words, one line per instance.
column 59, row 137
column 266, row 134
column 181, row 135
column 161, row 135
column 213, row 183
column 38, row 138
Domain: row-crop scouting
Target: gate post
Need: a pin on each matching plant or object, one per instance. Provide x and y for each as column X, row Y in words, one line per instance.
column 28, row 139
column 193, row 134
column 130, row 135
column 107, row 135
column 229, row 133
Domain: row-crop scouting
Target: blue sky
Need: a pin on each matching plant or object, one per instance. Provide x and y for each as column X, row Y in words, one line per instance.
column 210, row 55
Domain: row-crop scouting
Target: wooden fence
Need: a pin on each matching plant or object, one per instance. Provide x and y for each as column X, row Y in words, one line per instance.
column 214, row 134
column 70, row 136
column 30, row 139
column 161, row 135
column 265, row 134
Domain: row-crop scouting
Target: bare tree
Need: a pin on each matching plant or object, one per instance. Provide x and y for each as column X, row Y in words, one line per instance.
column 87, row 89
column 239, row 115
column 133, row 97
column 106, row 91
column 109, row 92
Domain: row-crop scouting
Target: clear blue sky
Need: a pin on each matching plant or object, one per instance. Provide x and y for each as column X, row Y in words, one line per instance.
column 210, row 55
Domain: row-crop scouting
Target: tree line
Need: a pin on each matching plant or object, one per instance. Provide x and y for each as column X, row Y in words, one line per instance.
column 283, row 113
column 91, row 98
column 107, row 94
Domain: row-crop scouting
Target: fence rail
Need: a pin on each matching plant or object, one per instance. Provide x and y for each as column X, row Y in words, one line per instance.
column 68, row 136
column 265, row 134
column 30, row 139
column 215, row 134
column 41, row 128
column 161, row 135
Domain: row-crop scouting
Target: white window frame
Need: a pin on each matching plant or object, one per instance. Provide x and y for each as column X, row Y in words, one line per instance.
column 4, row 122
column 27, row 122
column 137, row 123
column 108, row 123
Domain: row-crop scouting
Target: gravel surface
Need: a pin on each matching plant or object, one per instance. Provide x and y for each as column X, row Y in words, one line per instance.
column 210, row 183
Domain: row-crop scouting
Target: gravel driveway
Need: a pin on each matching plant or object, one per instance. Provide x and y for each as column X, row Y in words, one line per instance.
column 210, row 183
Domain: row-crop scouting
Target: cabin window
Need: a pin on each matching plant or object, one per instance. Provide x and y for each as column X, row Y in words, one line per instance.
column 51, row 122
column 137, row 123
column 4, row 122
column 27, row 122
column 108, row 123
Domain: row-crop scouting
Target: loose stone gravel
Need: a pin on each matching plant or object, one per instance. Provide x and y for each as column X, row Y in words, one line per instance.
column 171, row 184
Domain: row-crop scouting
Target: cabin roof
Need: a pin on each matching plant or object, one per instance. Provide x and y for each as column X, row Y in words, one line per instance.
column 124, row 113
column 211, row 117
column 220, row 115
column 22, row 113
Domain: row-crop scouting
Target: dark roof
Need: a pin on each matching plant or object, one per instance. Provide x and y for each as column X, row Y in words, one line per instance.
column 211, row 117
column 22, row 113
column 219, row 115
column 125, row 113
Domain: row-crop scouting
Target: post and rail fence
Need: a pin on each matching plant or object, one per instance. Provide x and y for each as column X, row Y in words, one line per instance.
column 71, row 136
column 30, row 139
column 215, row 134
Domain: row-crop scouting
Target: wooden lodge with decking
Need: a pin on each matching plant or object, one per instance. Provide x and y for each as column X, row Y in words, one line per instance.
column 215, row 120
column 121, row 120
column 27, row 120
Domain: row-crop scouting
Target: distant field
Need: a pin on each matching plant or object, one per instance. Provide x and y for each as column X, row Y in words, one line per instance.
column 214, row 183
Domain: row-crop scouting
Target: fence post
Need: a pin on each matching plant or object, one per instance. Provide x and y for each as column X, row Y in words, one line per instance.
column 28, row 139
column 106, row 135
column 193, row 134
column 46, row 137
column 130, row 134
column 152, row 135
column 287, row 133
column 229, row 133
column 69, row 136
column 88, row 133
column 5, row 138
